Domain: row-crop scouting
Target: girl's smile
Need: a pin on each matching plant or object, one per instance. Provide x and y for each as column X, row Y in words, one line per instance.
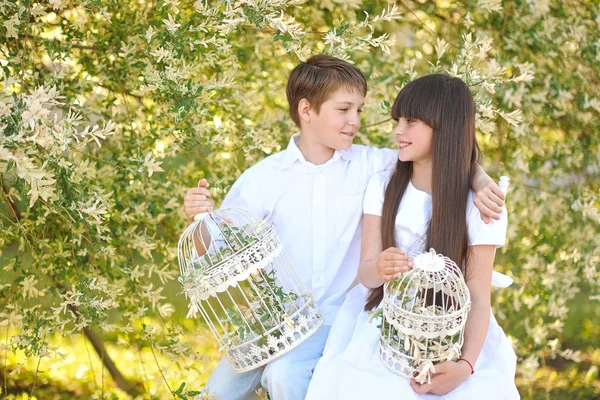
column 414, row 139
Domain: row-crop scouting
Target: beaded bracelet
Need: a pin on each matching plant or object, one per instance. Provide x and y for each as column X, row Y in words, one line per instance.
column 467, row 361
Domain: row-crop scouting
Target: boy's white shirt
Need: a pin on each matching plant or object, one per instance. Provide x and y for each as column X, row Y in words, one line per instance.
column 317, row 212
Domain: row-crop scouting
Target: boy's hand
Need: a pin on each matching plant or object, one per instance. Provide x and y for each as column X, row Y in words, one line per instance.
column 391, row 263
column 489, row 199
column 197, row 200
column 448, row 375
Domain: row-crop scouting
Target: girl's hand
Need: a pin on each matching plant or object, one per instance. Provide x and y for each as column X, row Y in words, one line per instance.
column 391, row 263
column 197, row 200
column 448, row 375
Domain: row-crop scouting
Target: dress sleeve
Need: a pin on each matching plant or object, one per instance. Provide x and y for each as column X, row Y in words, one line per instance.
column 481, row 233
column 373, row 200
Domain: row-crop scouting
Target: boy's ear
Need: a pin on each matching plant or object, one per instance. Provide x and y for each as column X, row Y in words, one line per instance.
column 304, row 110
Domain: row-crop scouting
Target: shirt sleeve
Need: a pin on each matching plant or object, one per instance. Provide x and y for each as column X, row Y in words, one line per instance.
column 481, row 233
column 245, row 194
column 373, row 200
column 382, row 159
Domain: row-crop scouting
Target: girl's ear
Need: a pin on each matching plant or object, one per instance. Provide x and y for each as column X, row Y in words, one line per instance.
column 304, row 110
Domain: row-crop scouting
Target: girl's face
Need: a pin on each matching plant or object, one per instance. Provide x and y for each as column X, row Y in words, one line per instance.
column 414, row 139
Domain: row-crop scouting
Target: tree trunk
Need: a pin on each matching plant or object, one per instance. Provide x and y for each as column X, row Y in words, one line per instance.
column 132, row 389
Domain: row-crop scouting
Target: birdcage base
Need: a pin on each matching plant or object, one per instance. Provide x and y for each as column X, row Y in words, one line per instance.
column 404, row 365
column 396, row 362
column 278, row 341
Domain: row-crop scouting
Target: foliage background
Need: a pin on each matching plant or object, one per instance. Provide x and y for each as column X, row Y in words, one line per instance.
column 109, row 110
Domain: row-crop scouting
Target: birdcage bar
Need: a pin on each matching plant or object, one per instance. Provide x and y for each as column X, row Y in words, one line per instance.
column 224, row 236
column 198, row 233
column 294, row 289
column 226, row 330
column 215, row 314
column 211, row 326
column 263, row 276
column 256, row 317
column 252, row 308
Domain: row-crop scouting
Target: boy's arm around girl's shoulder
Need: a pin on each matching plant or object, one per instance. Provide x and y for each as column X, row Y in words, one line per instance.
column 381, row 159
column 489, row 198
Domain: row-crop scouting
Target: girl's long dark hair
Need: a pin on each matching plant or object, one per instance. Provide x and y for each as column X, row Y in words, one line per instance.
column 445, row 104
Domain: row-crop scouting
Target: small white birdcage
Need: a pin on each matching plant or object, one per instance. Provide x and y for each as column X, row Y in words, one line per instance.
column 424, row 317
column 245, row 287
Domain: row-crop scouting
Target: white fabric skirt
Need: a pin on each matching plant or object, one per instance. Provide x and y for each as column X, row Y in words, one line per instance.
column 351, row 369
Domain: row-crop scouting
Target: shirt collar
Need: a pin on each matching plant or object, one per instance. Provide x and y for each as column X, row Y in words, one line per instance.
column 292, row 154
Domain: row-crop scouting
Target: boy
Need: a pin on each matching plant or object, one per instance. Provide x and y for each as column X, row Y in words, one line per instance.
column 313, row 192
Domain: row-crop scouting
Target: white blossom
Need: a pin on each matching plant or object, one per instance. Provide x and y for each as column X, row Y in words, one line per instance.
column 149, row 34
column 95, row 211
column 490, row 5
column 151, row 165
column 11, row 27
column 161, row 53
column 170, row 24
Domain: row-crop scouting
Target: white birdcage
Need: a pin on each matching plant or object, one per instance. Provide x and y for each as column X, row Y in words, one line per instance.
column 424, row 316
column 245, row 287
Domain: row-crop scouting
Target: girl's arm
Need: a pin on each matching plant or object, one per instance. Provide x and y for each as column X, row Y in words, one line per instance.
column 481, row 264
column 450, row 374
column 377, row 266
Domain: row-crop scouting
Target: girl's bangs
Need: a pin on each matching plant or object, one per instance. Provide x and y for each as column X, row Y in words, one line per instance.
column 420, row 99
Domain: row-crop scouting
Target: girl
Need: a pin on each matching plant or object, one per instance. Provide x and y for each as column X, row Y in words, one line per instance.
column 424, row 203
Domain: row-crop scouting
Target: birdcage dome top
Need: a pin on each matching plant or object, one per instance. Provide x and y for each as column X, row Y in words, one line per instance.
column 235, row 244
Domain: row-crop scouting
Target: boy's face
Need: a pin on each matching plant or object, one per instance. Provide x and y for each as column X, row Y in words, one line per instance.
column 338, row 121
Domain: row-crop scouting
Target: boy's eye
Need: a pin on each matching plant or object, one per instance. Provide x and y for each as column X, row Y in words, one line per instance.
column 343, row 109
column 360, row 111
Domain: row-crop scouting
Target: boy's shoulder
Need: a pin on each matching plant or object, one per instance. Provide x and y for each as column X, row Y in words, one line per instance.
column 265, row 167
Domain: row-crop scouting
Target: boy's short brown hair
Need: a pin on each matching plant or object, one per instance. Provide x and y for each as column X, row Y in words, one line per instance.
column 318, row 77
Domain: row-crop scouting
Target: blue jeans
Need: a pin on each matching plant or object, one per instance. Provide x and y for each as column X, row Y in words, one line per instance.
column 285, row 378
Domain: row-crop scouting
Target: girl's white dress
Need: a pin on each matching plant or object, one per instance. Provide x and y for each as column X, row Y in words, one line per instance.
column 350, row 367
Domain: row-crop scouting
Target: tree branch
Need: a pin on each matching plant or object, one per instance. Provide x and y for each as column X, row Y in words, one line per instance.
column 132, row 389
